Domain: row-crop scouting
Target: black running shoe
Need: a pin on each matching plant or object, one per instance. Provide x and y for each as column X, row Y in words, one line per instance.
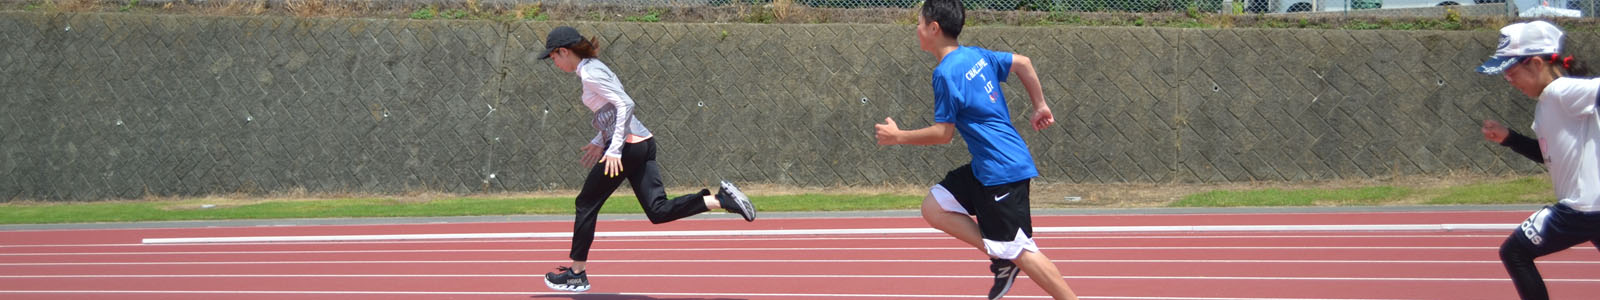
column 1005, row 273
column 736, row 202
column 564, row 280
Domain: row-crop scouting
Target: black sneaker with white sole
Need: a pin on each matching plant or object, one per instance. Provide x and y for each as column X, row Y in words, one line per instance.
column 564, row 280
column 736, row 202
column 1005, row 273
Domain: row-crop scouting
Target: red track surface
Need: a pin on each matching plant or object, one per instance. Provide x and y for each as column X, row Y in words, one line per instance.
column 101, row 264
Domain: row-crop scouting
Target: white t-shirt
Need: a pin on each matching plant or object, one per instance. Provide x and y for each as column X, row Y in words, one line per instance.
column 1569, row 136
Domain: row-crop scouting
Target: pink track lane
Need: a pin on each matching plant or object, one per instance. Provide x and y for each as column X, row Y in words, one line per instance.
column 98, row 264
column 48, row 237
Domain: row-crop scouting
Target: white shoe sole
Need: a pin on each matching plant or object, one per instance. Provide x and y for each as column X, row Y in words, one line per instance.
column 746, row 209
column 566, row 287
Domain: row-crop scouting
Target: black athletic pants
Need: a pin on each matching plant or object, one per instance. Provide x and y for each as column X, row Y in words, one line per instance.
column 639, row 167
column 1549, row 230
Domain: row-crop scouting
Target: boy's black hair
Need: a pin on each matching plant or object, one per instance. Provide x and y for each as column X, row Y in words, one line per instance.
column 950, row 15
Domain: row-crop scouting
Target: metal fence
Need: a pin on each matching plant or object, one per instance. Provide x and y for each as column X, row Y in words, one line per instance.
column 1031, row 5
column 1343, row 7
column 1382, row 8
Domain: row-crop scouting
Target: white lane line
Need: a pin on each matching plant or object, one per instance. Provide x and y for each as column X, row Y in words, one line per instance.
column 784, row 232
column 669, row 239
column 819, row 249
column 845, row 261
column 535, row 294
column 777, row 276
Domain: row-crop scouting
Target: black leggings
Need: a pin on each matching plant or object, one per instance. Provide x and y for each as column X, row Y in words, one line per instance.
column 639, row 167
column 1556, row 228
column 1519, row 263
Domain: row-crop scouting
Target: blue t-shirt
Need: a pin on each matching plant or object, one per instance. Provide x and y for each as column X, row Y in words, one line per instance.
column 966, row 93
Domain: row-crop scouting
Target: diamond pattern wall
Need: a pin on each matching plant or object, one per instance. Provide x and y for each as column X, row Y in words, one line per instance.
column 100, row 106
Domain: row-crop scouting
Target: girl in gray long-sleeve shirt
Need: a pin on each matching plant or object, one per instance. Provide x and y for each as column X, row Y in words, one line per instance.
column 624, row 149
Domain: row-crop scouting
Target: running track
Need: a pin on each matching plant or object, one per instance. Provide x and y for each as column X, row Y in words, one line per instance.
column 1423, row 264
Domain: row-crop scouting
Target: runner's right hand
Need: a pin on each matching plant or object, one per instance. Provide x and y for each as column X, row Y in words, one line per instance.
column 591, row 155
column 1493, row 132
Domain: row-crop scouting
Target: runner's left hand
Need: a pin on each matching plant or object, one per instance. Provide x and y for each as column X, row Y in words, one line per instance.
column 613, row 166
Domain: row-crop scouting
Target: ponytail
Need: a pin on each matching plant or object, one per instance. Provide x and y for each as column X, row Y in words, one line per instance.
column 1572, row 66
column 589, row 48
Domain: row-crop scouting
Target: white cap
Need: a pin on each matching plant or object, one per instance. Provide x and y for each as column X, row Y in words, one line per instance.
column 1522, row 40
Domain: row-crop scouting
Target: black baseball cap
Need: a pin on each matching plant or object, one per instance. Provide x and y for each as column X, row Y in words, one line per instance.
column 560, row 37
